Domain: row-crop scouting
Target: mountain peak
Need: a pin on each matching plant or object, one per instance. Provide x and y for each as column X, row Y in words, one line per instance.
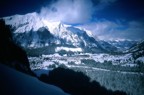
column 24, row 23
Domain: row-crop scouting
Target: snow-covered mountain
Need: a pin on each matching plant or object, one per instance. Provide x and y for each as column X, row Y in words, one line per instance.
column 138, row 51
column 108, row 46
column 139, row 46
column 122, row 45
column 32, row 31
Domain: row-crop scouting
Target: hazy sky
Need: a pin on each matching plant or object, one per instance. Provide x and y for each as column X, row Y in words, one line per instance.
column 107, row 19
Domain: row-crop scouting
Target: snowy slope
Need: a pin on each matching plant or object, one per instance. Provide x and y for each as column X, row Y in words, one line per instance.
column 139, row 46
column 24, row 23
column 122, row 45
column 108, row 46
column 16, row 83
column 138, row 51
column 140, row 59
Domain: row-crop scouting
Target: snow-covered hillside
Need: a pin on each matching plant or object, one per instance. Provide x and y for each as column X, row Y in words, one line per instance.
column 122, row 45
column 139, row 46
column 17, row 83
column 31, row 30
column 138, row 52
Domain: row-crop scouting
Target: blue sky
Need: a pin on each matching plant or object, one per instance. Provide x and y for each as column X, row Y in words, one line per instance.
column 107, row 19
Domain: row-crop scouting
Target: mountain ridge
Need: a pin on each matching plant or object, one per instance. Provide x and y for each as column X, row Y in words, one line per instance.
column 30, row 30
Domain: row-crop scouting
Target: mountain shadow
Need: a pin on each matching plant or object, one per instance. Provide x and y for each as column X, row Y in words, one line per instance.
column 76, row 83
column 11, row 54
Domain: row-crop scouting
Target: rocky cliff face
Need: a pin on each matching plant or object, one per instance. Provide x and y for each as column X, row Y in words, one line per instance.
column 11, row 54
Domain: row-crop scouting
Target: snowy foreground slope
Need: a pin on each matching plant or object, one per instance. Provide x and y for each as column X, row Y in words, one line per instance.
column 13, row 82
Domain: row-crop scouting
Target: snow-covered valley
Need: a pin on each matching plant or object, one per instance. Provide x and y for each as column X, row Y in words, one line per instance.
column 113, row 73
column 85, row 59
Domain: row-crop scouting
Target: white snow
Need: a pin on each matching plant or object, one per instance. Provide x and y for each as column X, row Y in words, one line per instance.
column 89, row 33
column 68, row 49
column 17, row 83
column 141, row 59
column 51, row 55
column 47, row 63
column 129, row 65
column 24, row 23
column 114, row 59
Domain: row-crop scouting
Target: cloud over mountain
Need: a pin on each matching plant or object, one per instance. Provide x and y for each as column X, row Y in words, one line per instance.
column 73, row 11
